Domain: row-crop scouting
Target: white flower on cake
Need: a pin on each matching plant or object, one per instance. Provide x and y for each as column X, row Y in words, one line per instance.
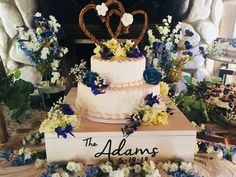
column 44, row 53
column 137, row 168
column 186, row 166
column 102, row 9
column 127, row 19
column 74, row 167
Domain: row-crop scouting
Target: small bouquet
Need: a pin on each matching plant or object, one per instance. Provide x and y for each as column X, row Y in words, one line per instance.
column 61, row 120
column 40, row 45
column 163, row 52
column 89, row 78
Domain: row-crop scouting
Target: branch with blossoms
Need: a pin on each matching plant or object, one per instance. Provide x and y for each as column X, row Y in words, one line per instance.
column 40, row 45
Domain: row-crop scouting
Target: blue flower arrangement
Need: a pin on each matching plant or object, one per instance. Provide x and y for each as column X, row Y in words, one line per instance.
column 89, row 78
column 152, row 76
column 163, row 51
column 40, row 44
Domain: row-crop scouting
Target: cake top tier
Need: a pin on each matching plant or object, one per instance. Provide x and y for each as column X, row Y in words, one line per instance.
column 105, row 11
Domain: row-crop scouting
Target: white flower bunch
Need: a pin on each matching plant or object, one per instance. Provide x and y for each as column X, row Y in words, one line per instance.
column 170, row 167
column 78, row 71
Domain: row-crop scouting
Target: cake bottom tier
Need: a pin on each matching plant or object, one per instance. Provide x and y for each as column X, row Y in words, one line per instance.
column 115, row 105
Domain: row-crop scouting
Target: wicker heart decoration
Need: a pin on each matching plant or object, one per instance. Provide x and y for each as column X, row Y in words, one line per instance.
column 106, row 19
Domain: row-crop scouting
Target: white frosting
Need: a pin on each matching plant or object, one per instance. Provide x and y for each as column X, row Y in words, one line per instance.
column 115, row 103
column 118, row 71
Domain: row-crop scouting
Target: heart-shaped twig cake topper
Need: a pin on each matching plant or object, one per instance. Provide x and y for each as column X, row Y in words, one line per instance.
column 126, row 20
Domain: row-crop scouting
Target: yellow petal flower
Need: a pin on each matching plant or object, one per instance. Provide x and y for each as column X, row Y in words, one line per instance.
column 164, row 88
column 97, row 50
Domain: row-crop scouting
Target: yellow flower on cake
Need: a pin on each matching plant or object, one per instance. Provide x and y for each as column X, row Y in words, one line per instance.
column 128, row 44
column 164, row 88
column 120, row 52
column 97, row 50
column 112, row 44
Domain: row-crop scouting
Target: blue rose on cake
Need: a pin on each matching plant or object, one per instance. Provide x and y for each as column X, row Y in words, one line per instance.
column 152, row 76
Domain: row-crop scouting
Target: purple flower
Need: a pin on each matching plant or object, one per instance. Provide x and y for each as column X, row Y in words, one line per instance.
column 106, row 53
column 188, row 53
column 188, row 45
column 188, row 33
column 134, row 53
column 151, row 100
column 152, row 76
column 61, row 132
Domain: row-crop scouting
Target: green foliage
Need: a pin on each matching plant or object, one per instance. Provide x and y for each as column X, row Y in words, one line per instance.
column 193, row 108
column 15, row 94
column 192, row 102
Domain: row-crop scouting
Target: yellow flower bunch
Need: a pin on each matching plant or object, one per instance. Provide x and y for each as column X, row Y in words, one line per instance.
column 164, row 88
column 118, row 49
column 49, row 124
column 155, row 117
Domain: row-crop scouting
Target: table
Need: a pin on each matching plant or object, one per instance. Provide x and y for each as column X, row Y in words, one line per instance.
column 224, row 71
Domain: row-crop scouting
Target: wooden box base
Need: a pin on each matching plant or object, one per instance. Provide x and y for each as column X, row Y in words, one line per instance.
column 97, row 141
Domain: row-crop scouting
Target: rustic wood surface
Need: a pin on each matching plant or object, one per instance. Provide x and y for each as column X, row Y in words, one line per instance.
column 203, row 164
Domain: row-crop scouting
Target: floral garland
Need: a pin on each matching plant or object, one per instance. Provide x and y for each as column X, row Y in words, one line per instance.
column 60, row 119
column 33, row 139
column 178, row 168
column 115, row 49
column 40, row 45
column 151, row 111
column 89, row 78
column 23, row 156
column 115, row 169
